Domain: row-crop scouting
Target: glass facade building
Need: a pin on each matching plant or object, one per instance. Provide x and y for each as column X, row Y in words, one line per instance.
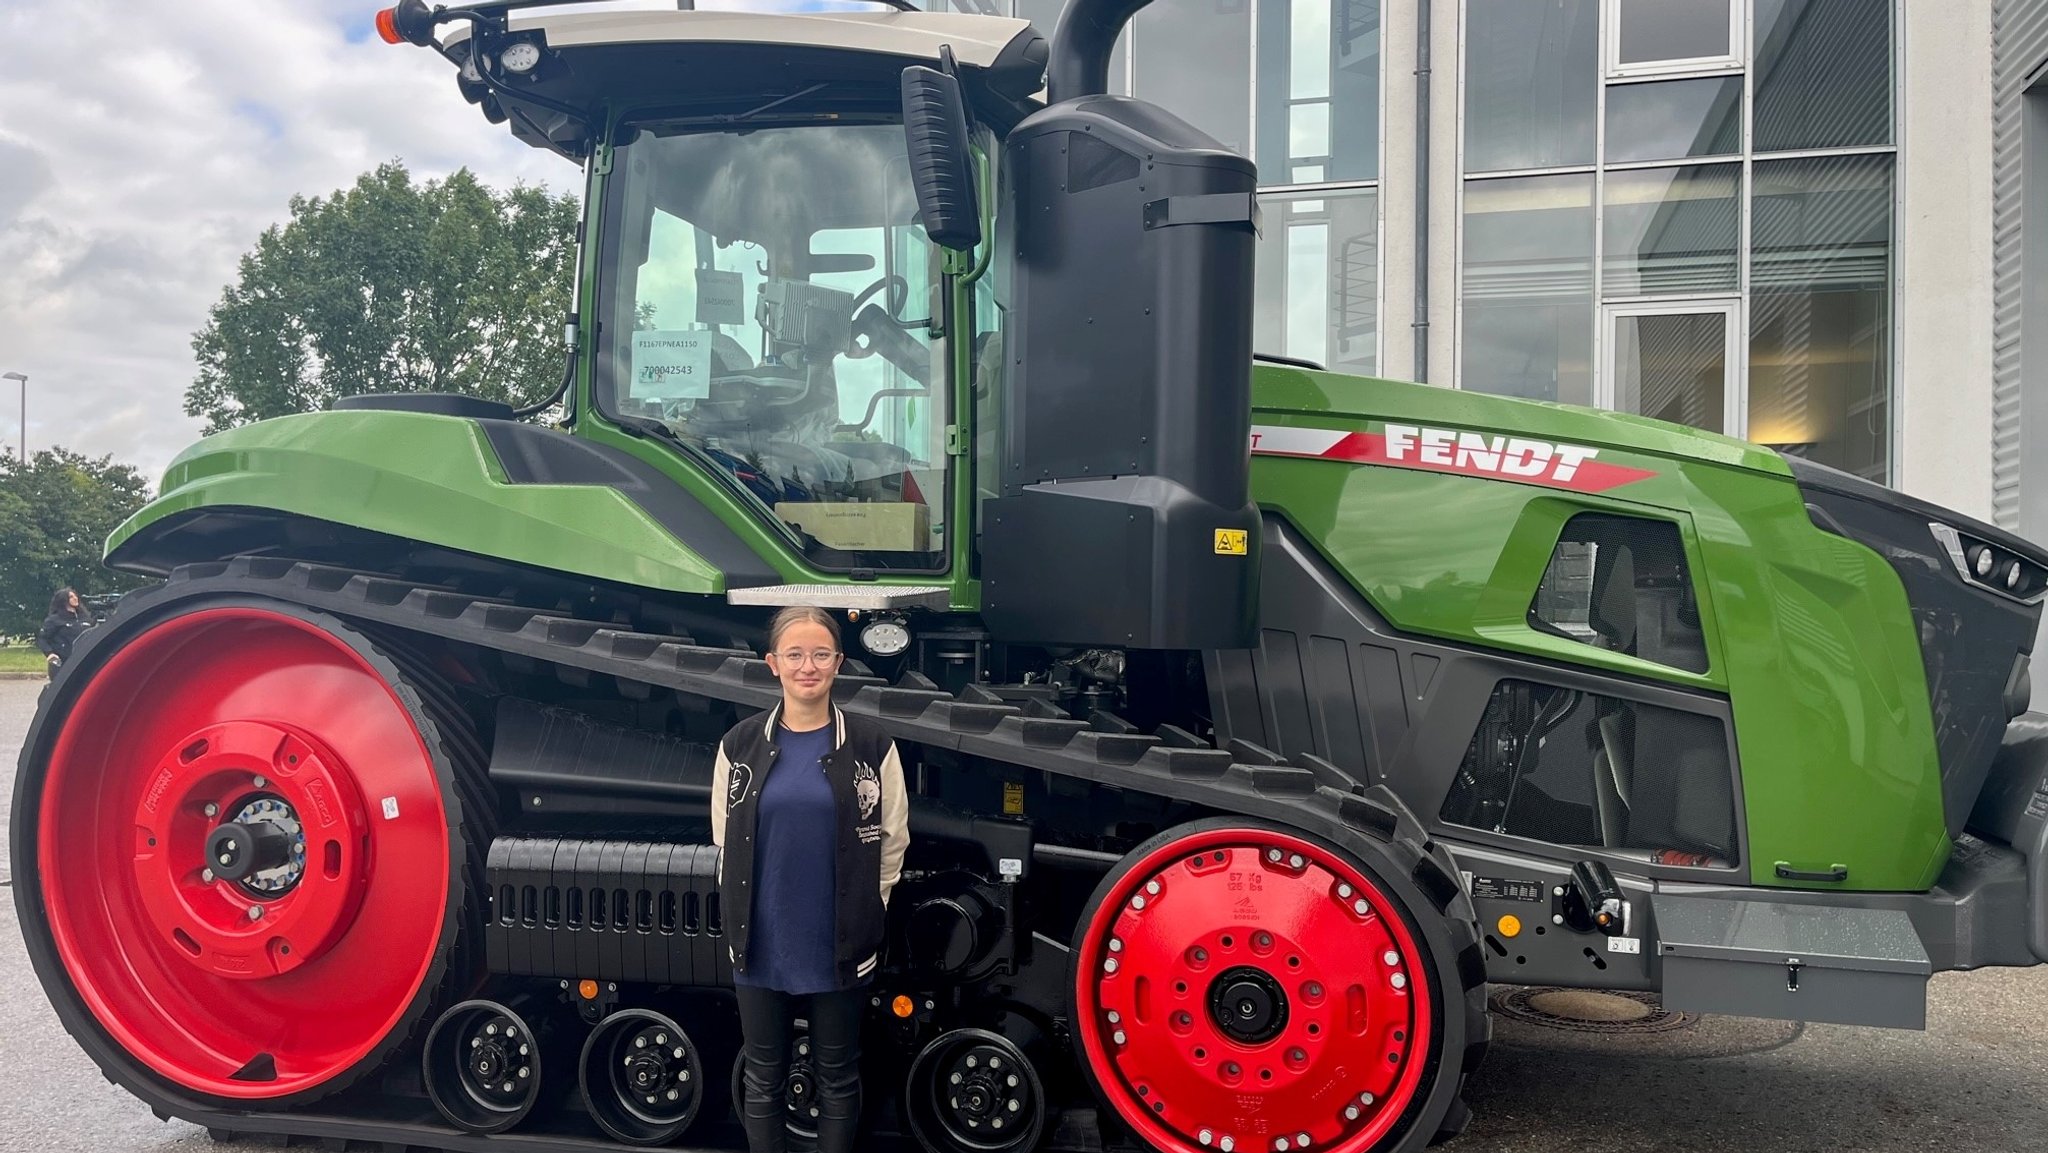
column 1680, row 208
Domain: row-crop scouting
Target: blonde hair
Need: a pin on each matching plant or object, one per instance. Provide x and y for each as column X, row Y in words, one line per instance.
column 795, row 615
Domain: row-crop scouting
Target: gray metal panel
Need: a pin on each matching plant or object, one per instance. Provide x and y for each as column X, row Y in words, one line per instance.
column 2019, row 48
column 1880, row 940
column 1754, row 958
column 933, row 597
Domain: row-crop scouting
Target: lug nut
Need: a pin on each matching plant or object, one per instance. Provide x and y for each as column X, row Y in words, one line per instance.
column 206, row 875
column 1302, row 1140
column 1115, row 1016
column 1273, row 854
column 1227, row 1145
column 211, row 809
column 1365, row 1098
column 255, row 912
column 1280, row 1144
column 1344, row 891
column 1351, row 1112
column 1400, row 980
column 1205, row 1136
column 1360, row 907
column 1152, row 887
column 1117, row 1036
column 1138, row 902
column 1295, row 861
column 681, row 1053
column 1391, row 957
column 1116, row 944
column 260, row 782
column 1109, row 966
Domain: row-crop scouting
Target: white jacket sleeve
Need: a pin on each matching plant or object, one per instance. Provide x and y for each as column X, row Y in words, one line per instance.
column 721, row 774
column 895, row 821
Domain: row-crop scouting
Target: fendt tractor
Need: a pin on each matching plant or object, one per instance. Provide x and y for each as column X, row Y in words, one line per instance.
column 1257, row 718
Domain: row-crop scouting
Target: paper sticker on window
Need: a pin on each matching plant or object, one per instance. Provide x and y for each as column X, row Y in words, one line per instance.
column 721, row 297
column 672, row 364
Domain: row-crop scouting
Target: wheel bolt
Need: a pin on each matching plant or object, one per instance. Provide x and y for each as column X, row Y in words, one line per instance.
column 1152, row 887
column 1399, row 980
column 972, row 1060
column 1272, row 854
column 1117, row 1036
column 1015, row 1105
column 491, row 1030
column 1012, row 1081
column 1351, row 1112
column 260, row 782
column 1302, row 1140
column 1280, row 1144
column 1109, row 966
column 1115, row 1016
column 1295, row 861
column 1360, row 907
column 206, row 875
column 1138, row 902
column 1365, row 1098
column 680, row 1054
column 661, row 1038
column 1205, row 1136
column 1227, row 1145
column 523, row 1071
column 1391, row 957
column 682, row 1074
column 953, row 1080
column 211, row 809
column 673, row 1094
column 255, row 912
column 1116, row 944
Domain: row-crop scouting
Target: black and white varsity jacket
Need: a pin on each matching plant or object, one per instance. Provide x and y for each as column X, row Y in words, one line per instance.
column 874, row 829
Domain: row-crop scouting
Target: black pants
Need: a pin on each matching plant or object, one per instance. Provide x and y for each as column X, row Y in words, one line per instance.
column 766, row 1021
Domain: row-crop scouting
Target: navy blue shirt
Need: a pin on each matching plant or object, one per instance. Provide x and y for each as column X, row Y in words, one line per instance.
column 796, row 838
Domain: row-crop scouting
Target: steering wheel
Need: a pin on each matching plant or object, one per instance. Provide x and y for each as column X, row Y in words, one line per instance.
column 899, row 295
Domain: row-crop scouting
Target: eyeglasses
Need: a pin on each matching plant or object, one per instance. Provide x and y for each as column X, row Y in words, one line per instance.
column 797, row 658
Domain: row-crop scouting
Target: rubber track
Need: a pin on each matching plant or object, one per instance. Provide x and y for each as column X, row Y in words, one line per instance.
column 912, row 710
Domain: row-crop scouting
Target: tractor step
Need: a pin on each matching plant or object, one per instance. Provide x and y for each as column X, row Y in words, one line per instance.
column 867, row 598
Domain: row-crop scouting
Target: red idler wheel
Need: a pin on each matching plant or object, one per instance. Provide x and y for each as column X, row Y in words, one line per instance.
column 1240, row 989
column 247, row 868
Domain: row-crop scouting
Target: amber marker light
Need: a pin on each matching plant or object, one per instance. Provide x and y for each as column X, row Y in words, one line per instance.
column 387, row 27
column 902, row 1006
column 587, row 990
column 1510, row 925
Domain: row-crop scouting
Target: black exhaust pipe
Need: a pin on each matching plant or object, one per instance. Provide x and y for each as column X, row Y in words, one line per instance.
column 1081, row 45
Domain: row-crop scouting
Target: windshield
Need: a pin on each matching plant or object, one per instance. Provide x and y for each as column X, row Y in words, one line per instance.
column 770, row 299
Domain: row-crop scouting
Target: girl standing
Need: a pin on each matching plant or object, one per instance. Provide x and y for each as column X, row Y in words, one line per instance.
column 809, row 808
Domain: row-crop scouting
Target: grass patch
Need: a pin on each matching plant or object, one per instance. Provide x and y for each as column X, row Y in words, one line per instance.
column 20, row 659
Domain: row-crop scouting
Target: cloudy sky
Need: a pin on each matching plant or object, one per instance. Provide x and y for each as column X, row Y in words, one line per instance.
column 145, row 144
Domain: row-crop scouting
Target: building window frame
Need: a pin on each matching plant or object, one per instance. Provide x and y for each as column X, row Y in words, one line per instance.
column 1735, row 349
column 1730, row 62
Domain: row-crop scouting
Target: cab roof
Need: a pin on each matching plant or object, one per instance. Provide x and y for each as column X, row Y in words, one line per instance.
column 724, row 60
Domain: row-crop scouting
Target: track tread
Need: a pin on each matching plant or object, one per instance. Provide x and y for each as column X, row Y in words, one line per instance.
column 1311, row 795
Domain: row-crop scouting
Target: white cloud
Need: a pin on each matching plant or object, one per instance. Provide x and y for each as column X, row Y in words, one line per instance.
column 143, row 148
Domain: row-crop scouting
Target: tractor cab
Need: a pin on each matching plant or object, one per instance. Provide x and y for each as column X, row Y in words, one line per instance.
column 767, row 300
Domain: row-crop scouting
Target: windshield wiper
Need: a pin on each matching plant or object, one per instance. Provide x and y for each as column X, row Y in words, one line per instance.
column 777, row 102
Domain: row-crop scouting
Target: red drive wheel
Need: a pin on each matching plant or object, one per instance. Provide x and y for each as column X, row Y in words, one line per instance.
column 246, row 863
column 1240, row 989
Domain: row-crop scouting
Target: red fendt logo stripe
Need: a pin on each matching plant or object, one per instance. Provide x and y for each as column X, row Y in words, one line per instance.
column 1517, row 458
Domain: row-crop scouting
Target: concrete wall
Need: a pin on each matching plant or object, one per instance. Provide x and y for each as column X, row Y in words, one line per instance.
column 1944, row 386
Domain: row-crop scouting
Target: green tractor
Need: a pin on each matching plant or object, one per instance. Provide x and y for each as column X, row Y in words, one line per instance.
column 1257, row 717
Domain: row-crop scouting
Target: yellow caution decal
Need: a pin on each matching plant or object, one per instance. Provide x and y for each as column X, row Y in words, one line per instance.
column 1013, row 798
column 1232, row 542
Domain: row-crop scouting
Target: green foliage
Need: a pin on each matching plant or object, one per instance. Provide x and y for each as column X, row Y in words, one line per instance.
column 55, row 512
column 392, row 286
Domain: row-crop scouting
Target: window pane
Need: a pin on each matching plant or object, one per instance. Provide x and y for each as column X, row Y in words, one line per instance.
column 1820, row 310
column 1823, row 73
column 1318, row 279
column 1673, row 367
column 1194, row 59
column 1674, row 118
column 1528, row 287
column 1045, row 16
column 1653, row 30
column 1672, row 230
column 1319, row 89
column 1532, row 78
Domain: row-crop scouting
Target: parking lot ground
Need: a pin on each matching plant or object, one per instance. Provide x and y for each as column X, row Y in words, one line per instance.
column 1976, row 1080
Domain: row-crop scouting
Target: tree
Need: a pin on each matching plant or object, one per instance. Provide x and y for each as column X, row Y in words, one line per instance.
column 55, row 514
column 392, row 286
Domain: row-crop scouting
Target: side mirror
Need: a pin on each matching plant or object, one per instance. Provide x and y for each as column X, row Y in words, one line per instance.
column 941, row 162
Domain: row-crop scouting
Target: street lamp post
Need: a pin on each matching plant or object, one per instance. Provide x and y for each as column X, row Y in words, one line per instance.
column 23, row 378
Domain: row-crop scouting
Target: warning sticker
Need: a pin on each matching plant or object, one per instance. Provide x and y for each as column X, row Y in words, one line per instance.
column 2037, row 806
column 1013, row 798
column 672, row 364
column 1506, row 889
column 1232, row 542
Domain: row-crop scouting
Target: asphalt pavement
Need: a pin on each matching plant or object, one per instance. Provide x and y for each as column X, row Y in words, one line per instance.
column 1977, row 1079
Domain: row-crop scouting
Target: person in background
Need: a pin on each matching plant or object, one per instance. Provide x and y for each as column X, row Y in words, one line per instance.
column 67, row 621
column 808, row 806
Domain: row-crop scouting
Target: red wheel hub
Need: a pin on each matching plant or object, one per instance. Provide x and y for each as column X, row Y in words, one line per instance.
column 211, row 737
column 1249, row 992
